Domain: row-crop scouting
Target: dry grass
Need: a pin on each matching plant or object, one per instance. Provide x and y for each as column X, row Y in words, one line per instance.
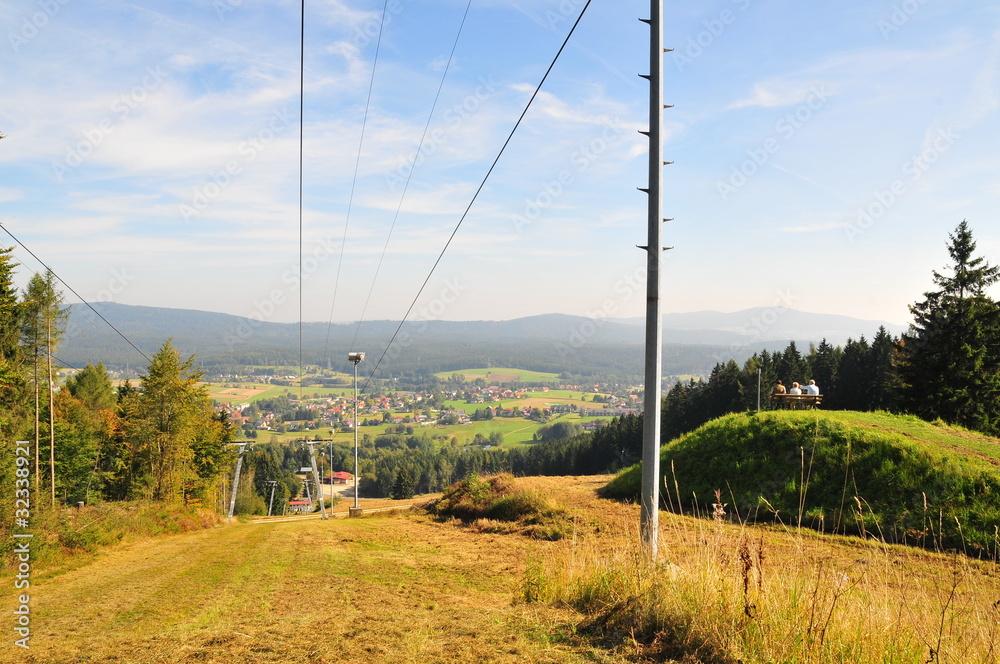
column 380, row 589
column 720, row 593
column 415, row 589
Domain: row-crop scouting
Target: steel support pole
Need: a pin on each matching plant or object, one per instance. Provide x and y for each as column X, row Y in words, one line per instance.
column 319, row 486
column 236, row 482
column 650, row 498
column 355, row 435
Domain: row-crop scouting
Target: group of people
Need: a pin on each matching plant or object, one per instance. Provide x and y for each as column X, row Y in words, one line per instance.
column 810, row 388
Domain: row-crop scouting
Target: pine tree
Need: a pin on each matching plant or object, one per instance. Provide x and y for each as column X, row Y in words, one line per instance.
column 949, row 361
column 853, row 381
column 42, row 327
column 12, row 387
column 171, row 431
column 823, row 362
column 884, row 382
column 791, row 367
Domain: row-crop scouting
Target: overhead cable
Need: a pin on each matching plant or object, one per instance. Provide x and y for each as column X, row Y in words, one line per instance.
column 357, row 165
column 119, row 332
column 413, row 167
column 475, row 195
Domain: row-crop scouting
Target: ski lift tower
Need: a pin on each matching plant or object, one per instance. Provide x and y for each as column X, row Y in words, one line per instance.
column 355, row 358
column 315, row 474
column 236, row 479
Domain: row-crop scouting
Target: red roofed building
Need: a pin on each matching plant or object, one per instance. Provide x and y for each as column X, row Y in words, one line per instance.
column 340, row 477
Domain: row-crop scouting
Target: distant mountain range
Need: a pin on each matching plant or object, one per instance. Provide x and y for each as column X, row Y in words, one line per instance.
column 765, row 324
column 550, row 342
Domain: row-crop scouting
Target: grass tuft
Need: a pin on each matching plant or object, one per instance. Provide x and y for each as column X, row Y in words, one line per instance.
column 496, row 504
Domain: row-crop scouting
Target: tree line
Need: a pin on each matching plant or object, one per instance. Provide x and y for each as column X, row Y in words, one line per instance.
column 159, row 439
column 947, row 366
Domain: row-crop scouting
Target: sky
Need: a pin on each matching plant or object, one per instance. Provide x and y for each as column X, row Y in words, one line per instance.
column 822, row 153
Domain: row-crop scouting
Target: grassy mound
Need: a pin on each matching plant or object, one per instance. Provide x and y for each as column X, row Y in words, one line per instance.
column 895, row 477
column 496, row 504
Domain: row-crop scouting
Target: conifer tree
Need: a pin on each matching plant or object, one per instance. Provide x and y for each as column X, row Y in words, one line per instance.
column 883, row 379
column 42, row 327
column 12, row 386
column 171, row 431
column 823, row 362
column 949, row 361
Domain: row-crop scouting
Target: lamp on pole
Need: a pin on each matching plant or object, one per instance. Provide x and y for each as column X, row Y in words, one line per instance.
column 355, row 358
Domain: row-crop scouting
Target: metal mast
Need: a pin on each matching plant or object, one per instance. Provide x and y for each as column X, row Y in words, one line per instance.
column 649, row 519
column 354, row 358
column 236, row 477
column 315, row 473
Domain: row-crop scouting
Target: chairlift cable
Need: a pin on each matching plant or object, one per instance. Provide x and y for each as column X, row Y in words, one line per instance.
column 475, row 195
column 354, row 181
column 63, row 281
column 413, row 167
column 302, row 95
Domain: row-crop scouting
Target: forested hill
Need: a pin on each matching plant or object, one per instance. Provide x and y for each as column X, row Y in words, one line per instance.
column 551, row 342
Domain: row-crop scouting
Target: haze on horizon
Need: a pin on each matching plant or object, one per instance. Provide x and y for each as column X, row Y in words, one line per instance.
column 821, row 154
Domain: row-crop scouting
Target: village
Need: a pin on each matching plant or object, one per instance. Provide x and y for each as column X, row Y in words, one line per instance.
column 291, row 412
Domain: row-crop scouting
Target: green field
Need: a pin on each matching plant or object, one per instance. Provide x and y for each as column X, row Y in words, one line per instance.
column 516, row 431
column 499, row 376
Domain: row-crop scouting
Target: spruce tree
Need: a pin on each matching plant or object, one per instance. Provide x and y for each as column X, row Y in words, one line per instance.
column 854, row 385
column 884, row 385
column 949, row 361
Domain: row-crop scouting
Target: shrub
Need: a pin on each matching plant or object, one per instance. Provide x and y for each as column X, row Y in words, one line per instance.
column 490, row 501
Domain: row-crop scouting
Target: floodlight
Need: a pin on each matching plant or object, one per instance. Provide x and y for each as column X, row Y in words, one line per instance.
column 355, row 357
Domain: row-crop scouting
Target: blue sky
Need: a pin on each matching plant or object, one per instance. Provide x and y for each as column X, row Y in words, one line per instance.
column 823, row 151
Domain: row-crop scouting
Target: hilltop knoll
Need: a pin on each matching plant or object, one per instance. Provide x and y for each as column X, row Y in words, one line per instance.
column 891, row 476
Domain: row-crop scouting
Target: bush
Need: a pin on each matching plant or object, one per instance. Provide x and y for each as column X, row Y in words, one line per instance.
column 490, row 501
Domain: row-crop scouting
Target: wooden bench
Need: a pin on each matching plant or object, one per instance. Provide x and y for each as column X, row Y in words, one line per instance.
column 797, row 401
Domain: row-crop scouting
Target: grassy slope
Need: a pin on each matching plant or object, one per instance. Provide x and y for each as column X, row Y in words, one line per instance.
column 412, row 589
column 908, row 480
column 381, row 590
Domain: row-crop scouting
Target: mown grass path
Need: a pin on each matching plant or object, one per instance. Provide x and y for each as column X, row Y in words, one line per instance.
column 383, row 589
